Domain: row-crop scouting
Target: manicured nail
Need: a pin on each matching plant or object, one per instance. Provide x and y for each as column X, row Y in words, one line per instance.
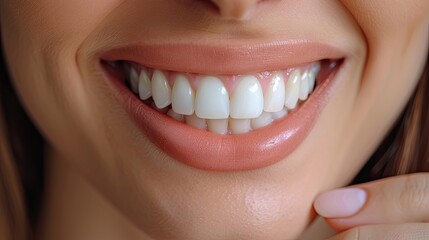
column 340, row 203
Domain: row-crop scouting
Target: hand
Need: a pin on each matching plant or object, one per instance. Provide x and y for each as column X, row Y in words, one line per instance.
column 393, row 208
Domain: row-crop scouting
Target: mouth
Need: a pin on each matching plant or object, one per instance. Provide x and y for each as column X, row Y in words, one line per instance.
column 221, row 121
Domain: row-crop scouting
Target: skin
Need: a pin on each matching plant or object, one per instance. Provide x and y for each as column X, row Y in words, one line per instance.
column 107, row 181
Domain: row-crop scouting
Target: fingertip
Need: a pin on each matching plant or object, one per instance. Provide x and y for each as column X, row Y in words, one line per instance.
column 340, row 203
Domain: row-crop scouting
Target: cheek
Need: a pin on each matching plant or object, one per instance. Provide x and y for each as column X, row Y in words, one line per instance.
column 53, row 23
column 383, row 18
column 396, row 36
column 41, row 42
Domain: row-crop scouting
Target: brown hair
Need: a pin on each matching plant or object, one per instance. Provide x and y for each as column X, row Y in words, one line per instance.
column 21, row 164
column 404, row 150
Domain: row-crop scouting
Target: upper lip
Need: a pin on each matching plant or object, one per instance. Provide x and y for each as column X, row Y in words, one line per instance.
column 224, row 59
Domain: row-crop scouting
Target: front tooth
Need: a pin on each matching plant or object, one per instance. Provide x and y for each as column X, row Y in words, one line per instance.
column 264, row 120
column 145, row 89
column 134, row 80
column 275, row 94
column 211, row 99
column 195, row 121
column 161, row 91
column 247, row 100
column 239, row 126
column 292, row 89
column 304, row 86
column 219, row 126
column 182, row 96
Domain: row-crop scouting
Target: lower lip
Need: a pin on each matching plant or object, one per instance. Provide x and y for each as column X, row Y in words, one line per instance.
column 208, row 151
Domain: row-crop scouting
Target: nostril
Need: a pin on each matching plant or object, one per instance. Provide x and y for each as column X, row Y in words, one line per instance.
column 229, row 9
column 209, row 5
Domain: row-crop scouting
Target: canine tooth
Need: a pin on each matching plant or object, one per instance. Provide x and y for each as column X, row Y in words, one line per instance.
column 239, row 126
column 174, row 115
column 145, row 88
column 195, row 121
column 134, row 80
column 292, row 89
column 161, row 91
column 279, row 114
column 211, row 99
column 303, row 88
column 274, row 98
column 264, row 120
column 182, row 96
column 219, row 126
column 247, row 101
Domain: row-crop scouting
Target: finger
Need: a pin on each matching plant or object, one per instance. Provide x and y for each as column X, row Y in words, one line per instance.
column 410, row 231
column 399, row 199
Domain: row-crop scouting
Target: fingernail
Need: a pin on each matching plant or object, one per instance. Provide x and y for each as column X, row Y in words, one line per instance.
column 340, row 203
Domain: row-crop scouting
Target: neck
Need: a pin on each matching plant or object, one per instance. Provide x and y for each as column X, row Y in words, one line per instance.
column 73, row 209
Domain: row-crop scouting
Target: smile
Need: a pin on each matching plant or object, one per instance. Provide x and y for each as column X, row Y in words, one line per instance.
column 222, row 122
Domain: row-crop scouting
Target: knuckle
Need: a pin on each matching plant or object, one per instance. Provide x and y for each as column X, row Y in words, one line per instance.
column 414, row 194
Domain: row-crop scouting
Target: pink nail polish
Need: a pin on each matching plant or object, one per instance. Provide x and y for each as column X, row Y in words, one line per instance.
column 340, row 203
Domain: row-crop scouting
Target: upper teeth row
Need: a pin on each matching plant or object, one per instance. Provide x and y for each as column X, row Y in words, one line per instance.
column 211, row 99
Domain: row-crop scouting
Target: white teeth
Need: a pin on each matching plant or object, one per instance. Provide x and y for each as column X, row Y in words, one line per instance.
column 145, row 88
column 161, row 91
column 316, row 68
column 182, row 96
column 211, row 99
column 247, row 100
column 195, row 121
column 275, row 94
column 210, row 107
column 262, row 121
column 162, row 110
column 312, row 76
column 239, row 126
column 178, row 117
column 134, row 80
column 303, row 88
column 292, row 89
column 219, row 126
column 311, row 81
column 280, row 114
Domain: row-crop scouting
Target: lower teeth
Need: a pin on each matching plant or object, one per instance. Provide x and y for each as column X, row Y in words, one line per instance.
column 224, row 126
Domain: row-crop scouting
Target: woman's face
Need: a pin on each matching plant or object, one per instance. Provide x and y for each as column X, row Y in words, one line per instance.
column 70, row 62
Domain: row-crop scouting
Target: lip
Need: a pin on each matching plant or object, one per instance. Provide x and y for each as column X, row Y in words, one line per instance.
column 234, row 58
column 208, row 151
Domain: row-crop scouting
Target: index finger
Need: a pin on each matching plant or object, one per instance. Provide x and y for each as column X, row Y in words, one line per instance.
column 392, row 200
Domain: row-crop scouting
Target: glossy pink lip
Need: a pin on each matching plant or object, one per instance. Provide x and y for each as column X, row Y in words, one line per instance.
column 232, row 59
column 205, row 150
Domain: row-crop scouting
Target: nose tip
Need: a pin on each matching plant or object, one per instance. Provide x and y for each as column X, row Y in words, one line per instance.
column 235, row 9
